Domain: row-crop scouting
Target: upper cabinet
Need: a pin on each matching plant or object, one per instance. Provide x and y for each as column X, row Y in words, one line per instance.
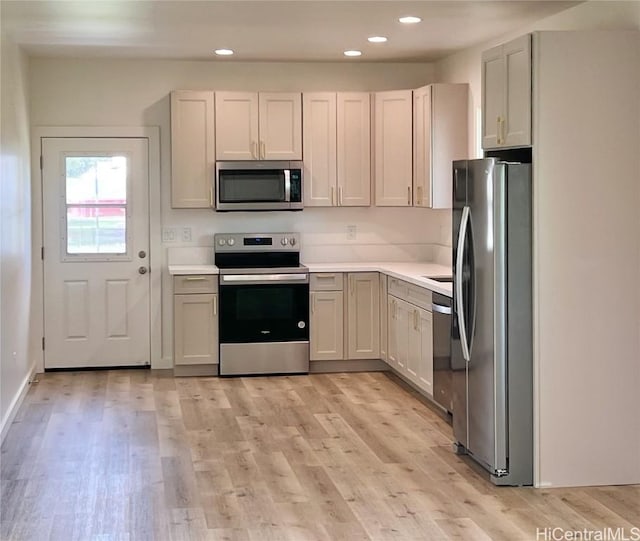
column 336, row 137
column 393, row 148
column 192, row 145
column 506, row 95
column 258, row 126
column 440, row 136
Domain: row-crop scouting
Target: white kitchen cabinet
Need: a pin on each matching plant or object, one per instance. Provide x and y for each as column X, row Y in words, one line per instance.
column 393, row 148
column 506, row 95
column 384, row 321
column 410, row 350
column 326, row 304
column 195, row 320
column 258, row 126
column 363, row 315
column 192, row 148
column 440, row 136
column 336, row 137
column 327, row 326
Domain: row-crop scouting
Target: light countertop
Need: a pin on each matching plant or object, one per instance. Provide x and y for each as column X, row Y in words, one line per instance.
column 413, row 272
column 193, row 269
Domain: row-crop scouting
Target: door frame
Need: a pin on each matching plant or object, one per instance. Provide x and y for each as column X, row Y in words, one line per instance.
column 156, row 256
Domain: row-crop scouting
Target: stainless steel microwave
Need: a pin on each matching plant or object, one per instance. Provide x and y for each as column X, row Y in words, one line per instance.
column 258, row 185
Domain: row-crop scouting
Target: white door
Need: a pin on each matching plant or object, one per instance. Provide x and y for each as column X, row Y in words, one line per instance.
column 96, row 252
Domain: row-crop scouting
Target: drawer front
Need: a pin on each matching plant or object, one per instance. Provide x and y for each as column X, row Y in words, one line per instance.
column 416, row 295
column 326, row 281
column 195, row 283
column 398, row 288
column 419, row 296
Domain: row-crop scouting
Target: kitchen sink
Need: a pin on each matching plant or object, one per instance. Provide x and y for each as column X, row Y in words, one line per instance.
column 445, row 279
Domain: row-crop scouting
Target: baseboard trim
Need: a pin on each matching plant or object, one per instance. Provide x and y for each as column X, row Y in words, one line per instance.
column 17, row 402
column 195, row 370
column 353, row 365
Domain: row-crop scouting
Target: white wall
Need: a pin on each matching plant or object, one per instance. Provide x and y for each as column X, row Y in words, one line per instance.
column 587, row 259
column 99, row 92
column 15, row 231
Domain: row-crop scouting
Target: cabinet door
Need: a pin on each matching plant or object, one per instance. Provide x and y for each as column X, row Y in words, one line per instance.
column 517, row 68
column 363, row 308
column 192, row 144
column 393, row 146
column 422, row 147
column 492, row 96
column 403, row 319
column 425, row 365
column 280, row 126
column 353, row 149
column 327, row 326
column 384, row 325
column 392, row 332
column 195, row 333
column 414, row 352
column 237, row 126
column 319, row 138
column 450, row 139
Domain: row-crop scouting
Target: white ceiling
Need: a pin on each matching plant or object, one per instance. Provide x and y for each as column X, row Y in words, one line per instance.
column 263, row 30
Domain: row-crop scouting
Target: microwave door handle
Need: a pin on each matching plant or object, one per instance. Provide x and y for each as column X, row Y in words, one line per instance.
column 287, row 185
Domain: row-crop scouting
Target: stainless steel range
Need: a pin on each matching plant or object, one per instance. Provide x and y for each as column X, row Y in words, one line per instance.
column 264, row 304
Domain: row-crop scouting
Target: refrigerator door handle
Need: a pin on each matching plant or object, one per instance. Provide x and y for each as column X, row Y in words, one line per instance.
column 464, row 224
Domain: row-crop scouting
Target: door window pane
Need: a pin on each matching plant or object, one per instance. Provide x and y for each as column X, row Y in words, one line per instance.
column 96, row 179
column 96, row 230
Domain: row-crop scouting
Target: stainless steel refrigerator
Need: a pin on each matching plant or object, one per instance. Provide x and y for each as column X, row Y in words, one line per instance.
column 491, row 332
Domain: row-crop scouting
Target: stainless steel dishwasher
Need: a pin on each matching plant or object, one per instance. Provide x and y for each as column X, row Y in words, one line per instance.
column 442, row 377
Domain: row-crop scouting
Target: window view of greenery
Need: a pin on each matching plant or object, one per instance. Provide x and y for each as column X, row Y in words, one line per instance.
column 96, row 200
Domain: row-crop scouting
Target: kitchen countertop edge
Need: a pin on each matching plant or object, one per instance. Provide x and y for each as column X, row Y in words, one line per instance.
column 413, row 272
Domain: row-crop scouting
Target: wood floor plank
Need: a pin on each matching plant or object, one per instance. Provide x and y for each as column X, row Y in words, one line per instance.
column 124, row 455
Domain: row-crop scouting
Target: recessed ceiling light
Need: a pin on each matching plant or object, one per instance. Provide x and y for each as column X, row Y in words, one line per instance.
column 224, row 52
column 377, row 39
column 352, row 53
column 410, row 19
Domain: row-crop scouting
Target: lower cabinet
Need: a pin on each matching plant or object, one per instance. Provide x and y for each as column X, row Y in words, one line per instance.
column 345, row 316
column 410, row 333
column 195, row 320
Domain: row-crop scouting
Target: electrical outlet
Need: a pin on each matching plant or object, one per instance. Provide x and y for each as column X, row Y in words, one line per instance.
column 351, row 232
column 169, row 234
column 186, row 234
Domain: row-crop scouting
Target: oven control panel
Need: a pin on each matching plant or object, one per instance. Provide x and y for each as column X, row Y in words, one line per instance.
column 256, row 242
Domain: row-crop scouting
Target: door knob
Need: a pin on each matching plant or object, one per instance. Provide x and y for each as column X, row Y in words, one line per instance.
column 142, row 270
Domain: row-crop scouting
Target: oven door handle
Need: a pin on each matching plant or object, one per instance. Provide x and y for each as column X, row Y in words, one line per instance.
column 251, row 279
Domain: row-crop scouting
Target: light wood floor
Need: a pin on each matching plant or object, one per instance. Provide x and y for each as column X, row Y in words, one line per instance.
column 134, row 455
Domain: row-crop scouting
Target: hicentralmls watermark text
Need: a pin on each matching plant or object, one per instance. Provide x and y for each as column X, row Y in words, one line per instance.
column 605, row 534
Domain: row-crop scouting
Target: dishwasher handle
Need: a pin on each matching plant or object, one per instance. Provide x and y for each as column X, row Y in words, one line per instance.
column 441, row 309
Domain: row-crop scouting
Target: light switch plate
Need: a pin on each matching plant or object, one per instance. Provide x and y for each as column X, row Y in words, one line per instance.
column 169, row 234
column 351, row 232
column 186, row 234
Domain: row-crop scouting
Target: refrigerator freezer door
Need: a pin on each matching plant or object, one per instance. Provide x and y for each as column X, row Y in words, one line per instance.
column 481, row 385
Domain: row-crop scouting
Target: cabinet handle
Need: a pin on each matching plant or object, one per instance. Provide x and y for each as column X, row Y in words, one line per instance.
column 419, row 195
column 409, row 195
column 333, row 193
column 195, row 279
column 254, row 151
column 415, row 320
column 340, row 195
column 499, row 131
column 352, row 285
column 502, row 138
column 262, row 150
column 313, row 303
column 215, row 305
column 211, row 197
